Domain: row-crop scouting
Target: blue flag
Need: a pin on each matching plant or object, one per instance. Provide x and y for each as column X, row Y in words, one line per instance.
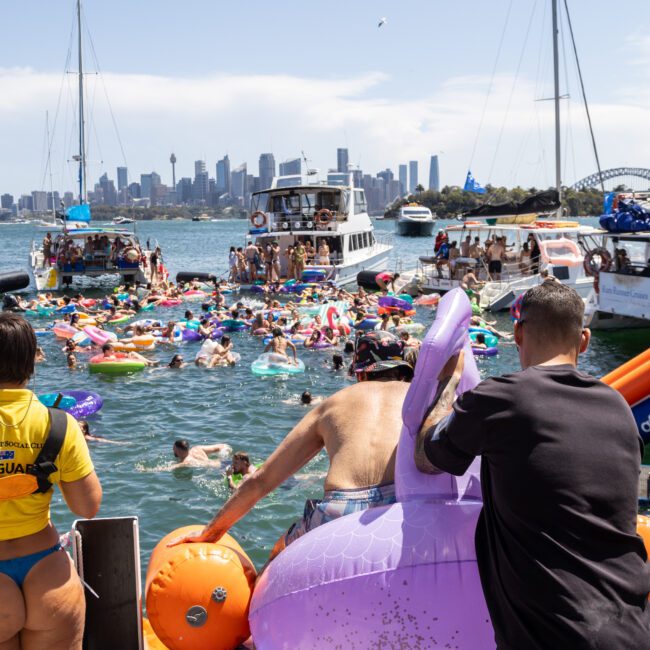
column 472, row 185
column 609, row 202
column 78, row 213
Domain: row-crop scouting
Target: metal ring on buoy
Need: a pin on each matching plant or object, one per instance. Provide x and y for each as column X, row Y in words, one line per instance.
column 593, row 267
column 258, row 219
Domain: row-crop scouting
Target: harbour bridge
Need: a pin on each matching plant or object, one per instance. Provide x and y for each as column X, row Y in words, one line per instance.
column 593, row 180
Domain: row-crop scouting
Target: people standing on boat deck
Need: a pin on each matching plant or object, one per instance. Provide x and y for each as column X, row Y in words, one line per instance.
column 299, row 259
column 524, row 258
column 358, row 427
column 275, row 260
column 465, row 245
column 242, row 466
column 454, row 254
column 153, row 266
column 386, row 278
column 232, row 265
column 323, row 252
column 47, row 249
column 42, row 600
column 199, row 455
column 241, row 265
column 251, row 253
column 496, row 254
column 309, row 251
column 560, row 561
column 535, row 254
column 442, row 256
column 290, row 265
column 440, row 237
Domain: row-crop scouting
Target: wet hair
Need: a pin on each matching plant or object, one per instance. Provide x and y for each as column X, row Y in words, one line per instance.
column 243, row 456
column 337, row 361
column 277, row 332
column 305, row 398
column 480, row 338
column 107, row 347
column 85, row 428
column 17, row 349
column 175, row 358
column 349, row 347
column 553, row 311
column 225, row 339
column 182, row 444
column 188, row 314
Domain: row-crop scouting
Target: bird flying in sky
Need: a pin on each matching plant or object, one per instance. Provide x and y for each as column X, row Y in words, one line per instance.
column 382, row 21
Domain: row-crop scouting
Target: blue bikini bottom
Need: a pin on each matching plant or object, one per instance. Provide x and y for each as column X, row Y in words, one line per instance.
column 18, row 568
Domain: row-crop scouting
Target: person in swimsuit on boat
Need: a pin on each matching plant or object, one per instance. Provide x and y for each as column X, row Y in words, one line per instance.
column 386, row 278
column 358, row 426
column 42, row 598
column 199, row 455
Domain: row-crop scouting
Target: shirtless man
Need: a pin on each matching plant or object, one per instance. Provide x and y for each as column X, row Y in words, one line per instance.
column 358, row 427
column 278, row 345
column 496, row 254
column 250, row 254
column 199, row 455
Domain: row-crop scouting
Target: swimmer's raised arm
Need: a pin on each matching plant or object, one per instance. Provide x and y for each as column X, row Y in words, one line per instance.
column 214, row 449
column 302, row 443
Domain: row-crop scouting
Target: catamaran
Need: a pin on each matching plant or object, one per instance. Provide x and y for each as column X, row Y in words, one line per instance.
column 81, row 254
column 314, row 212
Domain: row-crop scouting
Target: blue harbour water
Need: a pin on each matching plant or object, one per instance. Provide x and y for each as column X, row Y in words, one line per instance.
column 146, row 412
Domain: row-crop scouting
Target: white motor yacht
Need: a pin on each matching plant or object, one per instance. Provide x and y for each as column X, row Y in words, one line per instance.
column 415, row 220
column 317, row 212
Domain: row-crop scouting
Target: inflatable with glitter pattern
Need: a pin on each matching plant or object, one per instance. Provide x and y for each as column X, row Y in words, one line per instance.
column 394, row 576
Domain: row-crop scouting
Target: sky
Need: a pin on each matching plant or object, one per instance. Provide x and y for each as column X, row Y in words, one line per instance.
column 203, row 78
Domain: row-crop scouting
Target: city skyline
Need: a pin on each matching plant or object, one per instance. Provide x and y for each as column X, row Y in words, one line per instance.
column 385, row 105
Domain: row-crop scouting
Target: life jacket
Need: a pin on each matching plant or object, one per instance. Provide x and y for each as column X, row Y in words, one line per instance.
column 36, row 479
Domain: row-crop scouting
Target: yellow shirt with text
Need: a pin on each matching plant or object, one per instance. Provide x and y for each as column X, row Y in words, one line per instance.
column 20, row 446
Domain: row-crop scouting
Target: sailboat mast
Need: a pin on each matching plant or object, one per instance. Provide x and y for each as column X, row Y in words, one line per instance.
column 556, row 101
column 82, row 124
column 49, row 163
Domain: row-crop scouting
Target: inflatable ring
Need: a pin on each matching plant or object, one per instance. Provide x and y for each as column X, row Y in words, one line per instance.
column 597, row 261
column 270, row 364
column 323, row 216
column 120, row 365
column 258, row 219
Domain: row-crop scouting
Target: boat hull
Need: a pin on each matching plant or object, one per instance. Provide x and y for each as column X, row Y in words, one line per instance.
column 413, row 228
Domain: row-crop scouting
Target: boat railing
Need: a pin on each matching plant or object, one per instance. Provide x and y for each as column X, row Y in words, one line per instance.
column 383, row 239
column 280, row 222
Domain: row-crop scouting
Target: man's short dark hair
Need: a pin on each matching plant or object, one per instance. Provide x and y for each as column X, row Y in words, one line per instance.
column 553, row 311
column 305, row 398
column 17, row 349
column 243, row 456
column 277, row 332
column 107, row 347
column 182, row 444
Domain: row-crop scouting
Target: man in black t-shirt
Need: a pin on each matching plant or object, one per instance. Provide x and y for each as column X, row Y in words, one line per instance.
column 560, row 562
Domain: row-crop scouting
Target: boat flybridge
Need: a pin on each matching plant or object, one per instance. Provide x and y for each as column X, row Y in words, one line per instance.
column 415, row 220
column 531, row 251
column 89, row 256
column 313, row 212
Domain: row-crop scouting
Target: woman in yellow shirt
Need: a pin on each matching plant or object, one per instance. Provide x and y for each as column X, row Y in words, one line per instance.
column 41, row 598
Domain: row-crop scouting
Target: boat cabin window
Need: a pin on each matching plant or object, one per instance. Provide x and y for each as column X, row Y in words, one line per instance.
column 360, row 204
column 260, row 202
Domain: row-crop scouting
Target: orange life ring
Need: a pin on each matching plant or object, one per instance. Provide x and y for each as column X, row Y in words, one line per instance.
column 323, row 216
column 258, row 219
column 592, row 267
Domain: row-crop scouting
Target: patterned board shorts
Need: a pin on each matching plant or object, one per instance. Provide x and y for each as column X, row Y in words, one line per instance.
column 337, row 503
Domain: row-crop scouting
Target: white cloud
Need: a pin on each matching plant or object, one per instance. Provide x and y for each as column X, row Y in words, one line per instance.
column 246, row 115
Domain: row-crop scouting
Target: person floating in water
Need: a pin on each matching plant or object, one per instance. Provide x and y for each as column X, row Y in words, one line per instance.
column 240, row 470
column 199, row 455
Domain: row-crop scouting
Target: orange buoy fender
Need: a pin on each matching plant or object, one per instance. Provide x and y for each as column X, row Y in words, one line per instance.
column 198, row 595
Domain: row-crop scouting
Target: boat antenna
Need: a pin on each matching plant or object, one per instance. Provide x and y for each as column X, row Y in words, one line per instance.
column 556, row 101
column 82, row 125
column 584, row 96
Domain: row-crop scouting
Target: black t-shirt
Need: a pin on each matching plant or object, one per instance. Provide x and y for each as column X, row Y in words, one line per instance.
column 560, row 562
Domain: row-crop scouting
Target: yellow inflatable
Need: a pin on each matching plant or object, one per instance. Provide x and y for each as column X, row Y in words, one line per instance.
column 198, row 595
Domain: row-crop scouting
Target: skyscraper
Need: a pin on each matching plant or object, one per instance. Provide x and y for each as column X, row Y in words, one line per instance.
column 108, row 190
column 6, row 201
column 292, row 167
column 39, row 201
column 145, row 186
column 238, row 182
column 403, row 179
column 434, row 175
column 184, row 190
column 223, row 175
column 267, row 170
column 342, row 160
column 199, row 167
column 413, row 175
column 122, row 178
